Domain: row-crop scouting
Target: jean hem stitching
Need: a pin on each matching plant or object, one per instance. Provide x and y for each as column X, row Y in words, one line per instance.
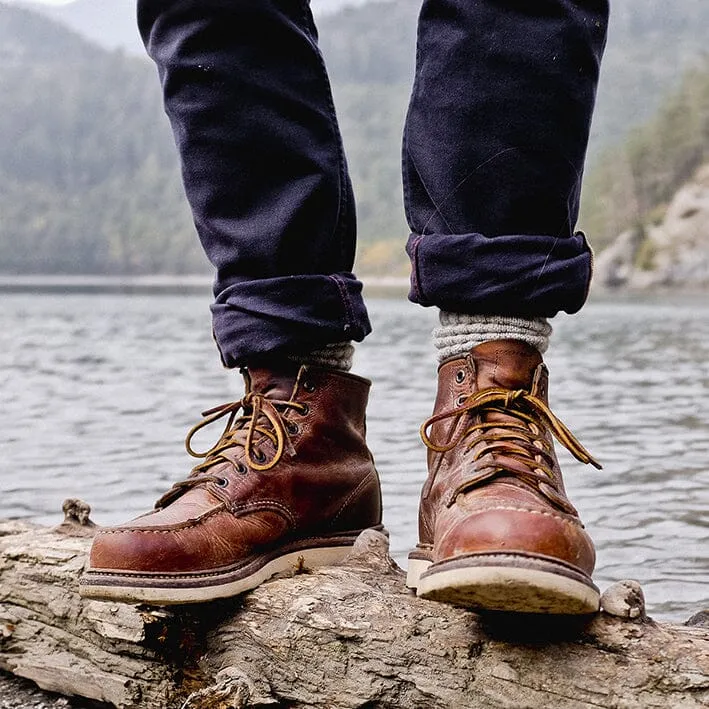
column 344, row 297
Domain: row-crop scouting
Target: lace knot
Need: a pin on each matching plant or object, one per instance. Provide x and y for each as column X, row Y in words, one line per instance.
column 261, row 420
column 512, row 442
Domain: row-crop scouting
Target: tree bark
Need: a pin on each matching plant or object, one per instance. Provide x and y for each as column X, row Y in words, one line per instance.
column 340, row 637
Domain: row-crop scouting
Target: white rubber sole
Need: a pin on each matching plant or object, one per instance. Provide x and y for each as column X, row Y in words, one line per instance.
column 504, row 588
column 129, row 589
column 415, row 569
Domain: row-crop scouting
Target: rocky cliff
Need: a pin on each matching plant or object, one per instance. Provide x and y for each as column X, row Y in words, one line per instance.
column 673, row 253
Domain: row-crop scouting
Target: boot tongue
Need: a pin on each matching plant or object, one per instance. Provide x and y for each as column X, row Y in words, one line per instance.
column 509, row 364
column 273, row 384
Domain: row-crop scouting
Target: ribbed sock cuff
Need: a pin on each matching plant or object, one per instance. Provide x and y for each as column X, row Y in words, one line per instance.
column 459, row 333
column 335, row 356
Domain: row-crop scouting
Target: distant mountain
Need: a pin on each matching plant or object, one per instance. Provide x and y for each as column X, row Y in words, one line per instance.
column 88, row 173
column 29, row 37
column 111, row 23
column 651, row 44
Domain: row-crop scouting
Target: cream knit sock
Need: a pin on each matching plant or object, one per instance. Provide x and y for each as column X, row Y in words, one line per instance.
column 335, row 356
column 459, row 333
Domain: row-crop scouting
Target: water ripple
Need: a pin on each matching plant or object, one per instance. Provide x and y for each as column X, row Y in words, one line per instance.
column 99, row 390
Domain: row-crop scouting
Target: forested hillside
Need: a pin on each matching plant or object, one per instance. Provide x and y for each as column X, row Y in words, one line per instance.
column 652, row 125
column 111, row 23
column 631, row 184
column 89, row 180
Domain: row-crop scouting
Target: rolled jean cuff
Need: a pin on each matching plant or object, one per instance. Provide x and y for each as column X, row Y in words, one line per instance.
column 526, row 275
column 253, row 319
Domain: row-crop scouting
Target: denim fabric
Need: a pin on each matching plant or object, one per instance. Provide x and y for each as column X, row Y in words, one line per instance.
column 264, row 170
column 493, row 156
column 494, row 149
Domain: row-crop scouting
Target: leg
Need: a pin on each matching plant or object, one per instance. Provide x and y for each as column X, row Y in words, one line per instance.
column 493, row 157
column 248, row 96
column 290, row 481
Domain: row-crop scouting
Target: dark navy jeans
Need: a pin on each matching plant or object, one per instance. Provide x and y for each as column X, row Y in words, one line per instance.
column 494, row 147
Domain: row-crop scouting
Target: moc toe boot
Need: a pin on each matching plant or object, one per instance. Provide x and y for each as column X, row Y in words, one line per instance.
column 289, row 484
column 496, row 529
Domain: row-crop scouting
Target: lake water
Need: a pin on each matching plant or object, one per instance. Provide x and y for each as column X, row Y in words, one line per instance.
column 98, row 391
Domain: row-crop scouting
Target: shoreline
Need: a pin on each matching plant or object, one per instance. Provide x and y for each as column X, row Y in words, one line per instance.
column 167, row 284
column 201, row 284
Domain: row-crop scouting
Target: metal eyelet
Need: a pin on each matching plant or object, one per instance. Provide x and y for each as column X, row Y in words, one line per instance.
column 241, row 468
column 292, row 428
column 460, row 376
column 222, row 482
column 304, row 410
column 461, row 400
column 308, row 386
column 259, row 456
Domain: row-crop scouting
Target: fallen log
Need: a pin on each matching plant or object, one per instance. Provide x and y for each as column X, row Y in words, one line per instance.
column 341, row 637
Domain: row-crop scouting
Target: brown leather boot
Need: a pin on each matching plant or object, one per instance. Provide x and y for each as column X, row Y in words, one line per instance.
column 496, row 529
column 289, row 484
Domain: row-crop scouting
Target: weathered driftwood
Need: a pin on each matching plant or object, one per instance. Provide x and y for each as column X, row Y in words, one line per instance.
column 348, row 636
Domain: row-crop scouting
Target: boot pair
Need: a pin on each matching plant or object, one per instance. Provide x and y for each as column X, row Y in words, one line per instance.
column 291, row 483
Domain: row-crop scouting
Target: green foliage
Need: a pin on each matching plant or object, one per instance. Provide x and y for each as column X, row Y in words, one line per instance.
column 88, row 173
column 370, row 118
column 645, row 256
column 373, row 44
column 631, row 183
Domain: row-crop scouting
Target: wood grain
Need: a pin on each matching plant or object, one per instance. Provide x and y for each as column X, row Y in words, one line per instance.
column 342, row 637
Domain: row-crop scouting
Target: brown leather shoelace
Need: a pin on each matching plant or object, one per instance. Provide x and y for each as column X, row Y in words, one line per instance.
column 261, row 419
column 526, row 452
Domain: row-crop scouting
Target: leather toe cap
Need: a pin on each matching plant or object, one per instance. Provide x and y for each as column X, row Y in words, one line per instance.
column 508, row 530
